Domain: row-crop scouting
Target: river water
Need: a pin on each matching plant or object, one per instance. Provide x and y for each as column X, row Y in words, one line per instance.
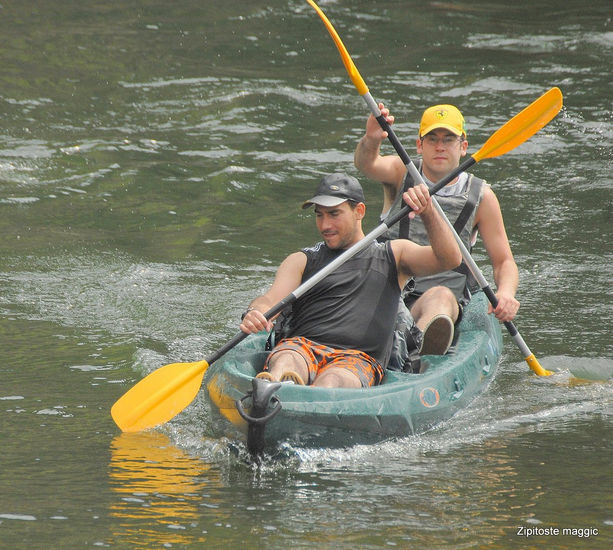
column 153, row 157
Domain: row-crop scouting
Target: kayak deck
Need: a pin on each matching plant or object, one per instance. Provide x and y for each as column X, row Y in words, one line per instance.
column 403, row 404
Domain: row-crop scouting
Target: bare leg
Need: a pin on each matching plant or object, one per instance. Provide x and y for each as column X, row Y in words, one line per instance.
column 435, row 313
column 435, row 301
column 286, row 361
column 337, row 377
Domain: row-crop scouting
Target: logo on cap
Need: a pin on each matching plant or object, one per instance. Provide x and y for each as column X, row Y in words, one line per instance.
column 442, row 116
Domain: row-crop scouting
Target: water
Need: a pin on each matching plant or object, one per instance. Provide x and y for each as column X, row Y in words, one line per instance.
column 152, row 159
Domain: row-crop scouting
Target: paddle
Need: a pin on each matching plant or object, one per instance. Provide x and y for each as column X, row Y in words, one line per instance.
column 513, row 133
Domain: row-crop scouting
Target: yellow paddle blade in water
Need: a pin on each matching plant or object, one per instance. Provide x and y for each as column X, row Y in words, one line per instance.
column 354, row 74
column 536, row 367
column 159, row 396
column 522, row 126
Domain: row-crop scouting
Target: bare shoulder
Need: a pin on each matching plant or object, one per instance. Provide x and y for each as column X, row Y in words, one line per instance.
column 296, row 260
column 490, row 221
column 489, row 206
column 403, row 250
column 489, row 198
column 398, row 171
column 288, row 276
column 401, row 245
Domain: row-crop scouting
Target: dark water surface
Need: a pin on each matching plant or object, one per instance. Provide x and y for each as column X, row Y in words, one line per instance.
column 153, row 156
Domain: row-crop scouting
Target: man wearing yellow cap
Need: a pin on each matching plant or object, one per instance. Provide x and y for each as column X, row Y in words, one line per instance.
column 470, row 205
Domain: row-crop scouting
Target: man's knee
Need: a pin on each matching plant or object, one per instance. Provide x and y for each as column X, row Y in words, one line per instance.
column 337, row 377
column 435, row 300
column 439, row 293
column 286, row 359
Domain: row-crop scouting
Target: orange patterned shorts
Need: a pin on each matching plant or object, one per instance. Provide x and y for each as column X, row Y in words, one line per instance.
column 319, row 358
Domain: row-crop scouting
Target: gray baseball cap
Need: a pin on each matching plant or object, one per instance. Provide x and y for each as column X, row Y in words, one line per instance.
column 335, row 189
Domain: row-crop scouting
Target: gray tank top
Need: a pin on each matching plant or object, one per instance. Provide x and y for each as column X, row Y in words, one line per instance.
column 456, row 210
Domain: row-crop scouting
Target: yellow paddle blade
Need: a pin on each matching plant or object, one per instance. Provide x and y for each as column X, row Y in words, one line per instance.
column 159, row 396
column 536, row 366
column 522, row 126
column 355, row 76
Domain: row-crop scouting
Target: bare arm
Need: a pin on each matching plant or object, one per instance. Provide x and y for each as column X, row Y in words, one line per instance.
column 287, row 279
column 443, row 252
column 389, row 169
column 506, row 276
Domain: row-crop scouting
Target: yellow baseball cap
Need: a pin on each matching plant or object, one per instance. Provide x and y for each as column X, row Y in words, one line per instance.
column 442, row 116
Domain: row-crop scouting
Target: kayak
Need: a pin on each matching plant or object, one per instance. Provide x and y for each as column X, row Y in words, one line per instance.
column 267, row 414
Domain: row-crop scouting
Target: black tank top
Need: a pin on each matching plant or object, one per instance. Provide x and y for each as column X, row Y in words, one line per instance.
column 338, row 311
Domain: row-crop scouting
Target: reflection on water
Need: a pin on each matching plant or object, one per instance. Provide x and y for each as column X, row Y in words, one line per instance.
column 158, row 491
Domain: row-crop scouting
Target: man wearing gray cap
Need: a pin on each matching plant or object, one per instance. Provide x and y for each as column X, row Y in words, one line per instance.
column 339, row 333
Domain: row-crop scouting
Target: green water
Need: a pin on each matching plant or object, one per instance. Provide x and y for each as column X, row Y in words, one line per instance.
column 153, row 158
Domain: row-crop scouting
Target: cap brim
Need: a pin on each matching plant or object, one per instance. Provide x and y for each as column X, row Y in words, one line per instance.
column 443, row 126
column 324, row 200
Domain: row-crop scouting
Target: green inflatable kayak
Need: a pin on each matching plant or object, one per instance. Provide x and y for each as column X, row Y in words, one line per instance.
column 266, row 414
